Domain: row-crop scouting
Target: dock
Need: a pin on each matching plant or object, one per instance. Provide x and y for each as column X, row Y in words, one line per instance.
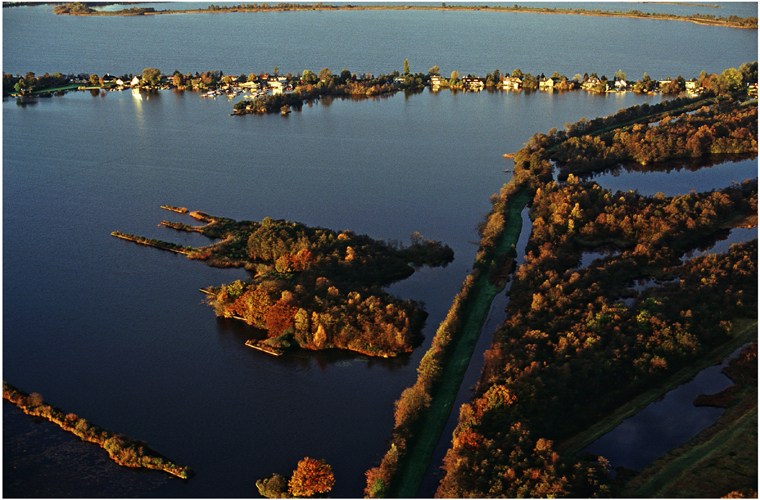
column 264, row 348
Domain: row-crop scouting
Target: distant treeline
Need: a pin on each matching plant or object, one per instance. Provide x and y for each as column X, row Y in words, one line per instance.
column 122, row 449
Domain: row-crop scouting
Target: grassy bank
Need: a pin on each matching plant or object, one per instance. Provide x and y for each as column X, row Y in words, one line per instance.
column 419, row 428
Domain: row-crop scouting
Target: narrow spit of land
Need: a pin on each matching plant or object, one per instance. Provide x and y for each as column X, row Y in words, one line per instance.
column 123, row 450
column 454, row 367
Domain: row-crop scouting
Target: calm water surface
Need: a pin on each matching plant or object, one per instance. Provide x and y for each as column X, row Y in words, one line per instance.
column 374, row 41
column 118, row 333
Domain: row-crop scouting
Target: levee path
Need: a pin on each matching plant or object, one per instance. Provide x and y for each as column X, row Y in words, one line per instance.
column 416, row 461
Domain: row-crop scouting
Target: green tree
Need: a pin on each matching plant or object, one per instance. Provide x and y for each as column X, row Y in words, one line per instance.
column 454, row 77
column 406, row 66
column 325, row 74
column 730, row 80
column 749, row 72
column 309, row 77
column 435, row 70
column 151, row 76
column 517, row 74
column 94, row 79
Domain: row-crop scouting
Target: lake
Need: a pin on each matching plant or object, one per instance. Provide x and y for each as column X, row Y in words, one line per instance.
column 119, row 334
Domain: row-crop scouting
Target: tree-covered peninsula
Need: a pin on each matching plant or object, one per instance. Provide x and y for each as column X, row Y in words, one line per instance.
column 585, row 345
column 313, row 288
column 122, row 449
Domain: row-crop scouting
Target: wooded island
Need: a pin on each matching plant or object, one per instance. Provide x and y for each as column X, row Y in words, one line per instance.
column 312, row 288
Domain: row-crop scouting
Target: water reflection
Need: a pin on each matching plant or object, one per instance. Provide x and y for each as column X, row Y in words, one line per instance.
column 676, row 178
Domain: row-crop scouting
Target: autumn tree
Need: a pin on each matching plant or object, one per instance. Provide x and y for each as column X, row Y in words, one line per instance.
column 311, row 477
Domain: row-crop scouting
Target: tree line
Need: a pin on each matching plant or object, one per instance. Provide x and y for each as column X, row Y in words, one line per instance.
column 723, row 128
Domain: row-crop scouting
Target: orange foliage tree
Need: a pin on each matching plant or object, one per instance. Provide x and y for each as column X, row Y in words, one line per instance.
column 279, row 317
column 311, row 477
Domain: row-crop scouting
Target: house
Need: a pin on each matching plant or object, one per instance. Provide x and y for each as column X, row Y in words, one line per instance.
column 664, row 83
column 621, row 85
column 752, row 90
column 512, row 83
column 472, row 83
column 135, row 81
column 251, row 85
column 591, row 83
column 436, row 80
column 546, row 84
column 276, row 85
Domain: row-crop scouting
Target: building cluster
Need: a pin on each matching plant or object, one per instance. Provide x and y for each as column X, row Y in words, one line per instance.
column 591, row 84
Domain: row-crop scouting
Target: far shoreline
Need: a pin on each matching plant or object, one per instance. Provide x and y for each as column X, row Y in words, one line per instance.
column 696, row 19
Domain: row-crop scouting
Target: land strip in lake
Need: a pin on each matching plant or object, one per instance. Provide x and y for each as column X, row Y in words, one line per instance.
column 733, row 21
column 123, row 450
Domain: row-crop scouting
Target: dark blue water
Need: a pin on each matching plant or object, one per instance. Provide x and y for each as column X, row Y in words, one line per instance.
column 118, row 333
